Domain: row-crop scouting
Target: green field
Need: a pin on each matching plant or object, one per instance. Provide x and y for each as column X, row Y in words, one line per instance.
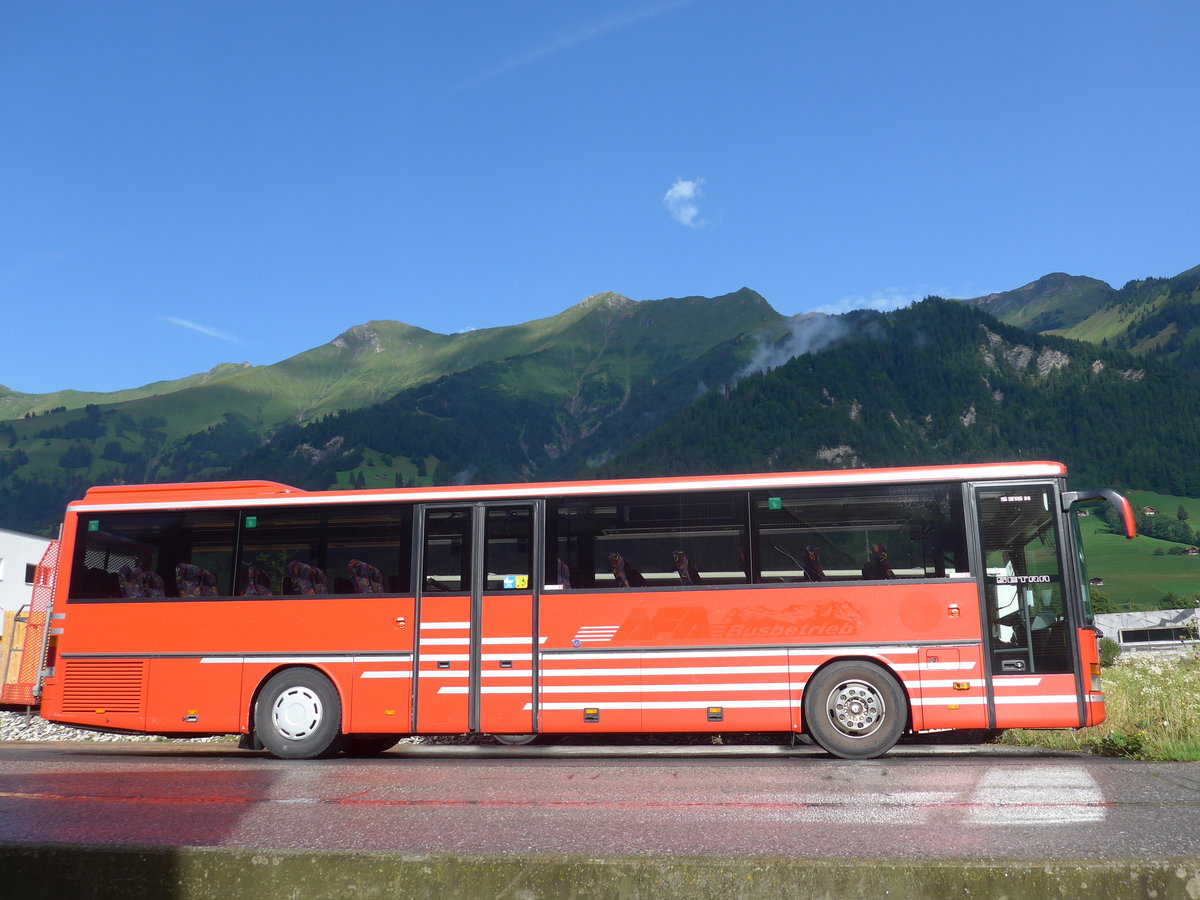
column 1133, row 576
column 381, row 471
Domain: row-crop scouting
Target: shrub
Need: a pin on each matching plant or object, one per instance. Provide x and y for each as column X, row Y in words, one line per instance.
column 1109, row 651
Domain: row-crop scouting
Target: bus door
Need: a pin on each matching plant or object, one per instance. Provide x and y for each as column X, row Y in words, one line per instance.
column 477, row 612
column 1031, row 624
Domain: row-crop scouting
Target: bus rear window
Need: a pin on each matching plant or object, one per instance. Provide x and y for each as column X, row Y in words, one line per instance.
column 146, row 556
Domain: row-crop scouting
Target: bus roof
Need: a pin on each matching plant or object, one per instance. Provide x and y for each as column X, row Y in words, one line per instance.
column 270, row 493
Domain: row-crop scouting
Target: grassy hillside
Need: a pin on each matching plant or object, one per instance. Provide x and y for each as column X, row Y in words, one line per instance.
column 540, row 387
column 1134, row 577
column 15, row 405
column 1149, row 317
column 1053, row 302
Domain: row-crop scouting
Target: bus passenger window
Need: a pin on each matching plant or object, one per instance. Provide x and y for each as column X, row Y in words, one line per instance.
column 319, row 551
column 153, row 555
column 859, row 533
column 655, row 540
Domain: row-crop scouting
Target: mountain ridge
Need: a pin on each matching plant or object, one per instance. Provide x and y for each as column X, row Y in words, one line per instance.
column 616, row 386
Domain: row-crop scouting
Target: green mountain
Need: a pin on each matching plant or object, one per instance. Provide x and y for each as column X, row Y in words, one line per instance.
column 942, row 382
column 617, row 387
column 557, row 381
column 1052, row 303
column 1151, row 317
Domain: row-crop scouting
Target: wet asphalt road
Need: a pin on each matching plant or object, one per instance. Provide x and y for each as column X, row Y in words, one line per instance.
column 919, row 802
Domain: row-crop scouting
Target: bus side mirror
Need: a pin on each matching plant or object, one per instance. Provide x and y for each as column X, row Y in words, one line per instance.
column 1115, row 500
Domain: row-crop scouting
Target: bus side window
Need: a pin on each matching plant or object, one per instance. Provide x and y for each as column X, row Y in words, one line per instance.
column 321, row 551
column 676, row 540
column 869, row 533
column 141, row 555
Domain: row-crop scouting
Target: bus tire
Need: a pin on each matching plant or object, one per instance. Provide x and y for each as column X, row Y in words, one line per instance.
column 298, row 715
column 515, row 740
column 854, row 710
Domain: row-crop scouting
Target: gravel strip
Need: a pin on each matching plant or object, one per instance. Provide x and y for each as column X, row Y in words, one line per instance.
column 18, row 726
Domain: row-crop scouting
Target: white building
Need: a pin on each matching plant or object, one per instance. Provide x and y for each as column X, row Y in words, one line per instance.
column 19, row 557
column 1165, row 630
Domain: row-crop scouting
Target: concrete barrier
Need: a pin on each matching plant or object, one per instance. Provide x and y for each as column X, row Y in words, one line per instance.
column 189, row 873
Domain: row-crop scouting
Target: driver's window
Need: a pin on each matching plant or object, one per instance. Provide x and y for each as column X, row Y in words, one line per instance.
column 1023, row 581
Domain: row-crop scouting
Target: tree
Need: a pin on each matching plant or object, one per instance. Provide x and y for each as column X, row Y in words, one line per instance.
column 1181, row 514
column 77, row 456
column 1102, row 602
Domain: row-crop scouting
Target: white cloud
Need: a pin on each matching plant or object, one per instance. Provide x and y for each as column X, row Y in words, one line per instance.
column 681, row 201
column 810, row 334
column 203, row 329
column 592, row 31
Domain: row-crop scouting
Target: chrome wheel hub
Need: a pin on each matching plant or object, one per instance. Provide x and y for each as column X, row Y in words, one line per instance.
column 855, row 708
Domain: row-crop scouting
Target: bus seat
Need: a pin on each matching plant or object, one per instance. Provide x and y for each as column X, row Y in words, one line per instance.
column 365, row 578
column 813, row 570
column 301, row 578
column 624, row 573
column 687, row 572
column 254, row 582
column 193, row 581
column 139, row 583
column 877, row 567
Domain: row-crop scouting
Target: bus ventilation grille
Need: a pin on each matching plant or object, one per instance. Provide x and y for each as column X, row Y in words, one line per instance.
column 114, row 686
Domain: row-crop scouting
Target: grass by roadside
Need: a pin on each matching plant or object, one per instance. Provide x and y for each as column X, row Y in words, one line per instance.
column 1153, row 705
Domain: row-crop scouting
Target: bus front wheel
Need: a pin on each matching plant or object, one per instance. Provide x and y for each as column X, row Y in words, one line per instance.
column 854, row 710
column 299, row 715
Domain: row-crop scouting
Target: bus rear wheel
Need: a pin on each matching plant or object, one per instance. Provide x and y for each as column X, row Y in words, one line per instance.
column 854, row 710
column 298, row 715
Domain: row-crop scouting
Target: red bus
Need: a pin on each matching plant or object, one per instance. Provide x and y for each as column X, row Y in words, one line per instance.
column 851, row 606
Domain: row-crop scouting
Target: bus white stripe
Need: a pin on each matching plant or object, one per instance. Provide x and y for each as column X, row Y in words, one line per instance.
column 666, row 670
column 651, row 655
column 633, row 689
column 667, row 704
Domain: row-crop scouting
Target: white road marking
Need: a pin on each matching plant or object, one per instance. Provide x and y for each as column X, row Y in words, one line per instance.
column 1033, row 795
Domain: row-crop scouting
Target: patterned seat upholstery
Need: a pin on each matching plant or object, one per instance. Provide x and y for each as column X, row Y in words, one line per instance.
column 255, row 582
column 301, row 578
column 624, row 573
column 193, row 581
column 139, row 583
column 813, row 570
column 684, row 568
column 364, row 577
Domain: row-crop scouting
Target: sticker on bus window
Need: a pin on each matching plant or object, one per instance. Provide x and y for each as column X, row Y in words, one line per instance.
column 93, row 524
column 774, row 503
column 516, row 582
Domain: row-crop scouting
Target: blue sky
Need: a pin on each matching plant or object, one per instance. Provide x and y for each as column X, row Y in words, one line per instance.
column 189, row 183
